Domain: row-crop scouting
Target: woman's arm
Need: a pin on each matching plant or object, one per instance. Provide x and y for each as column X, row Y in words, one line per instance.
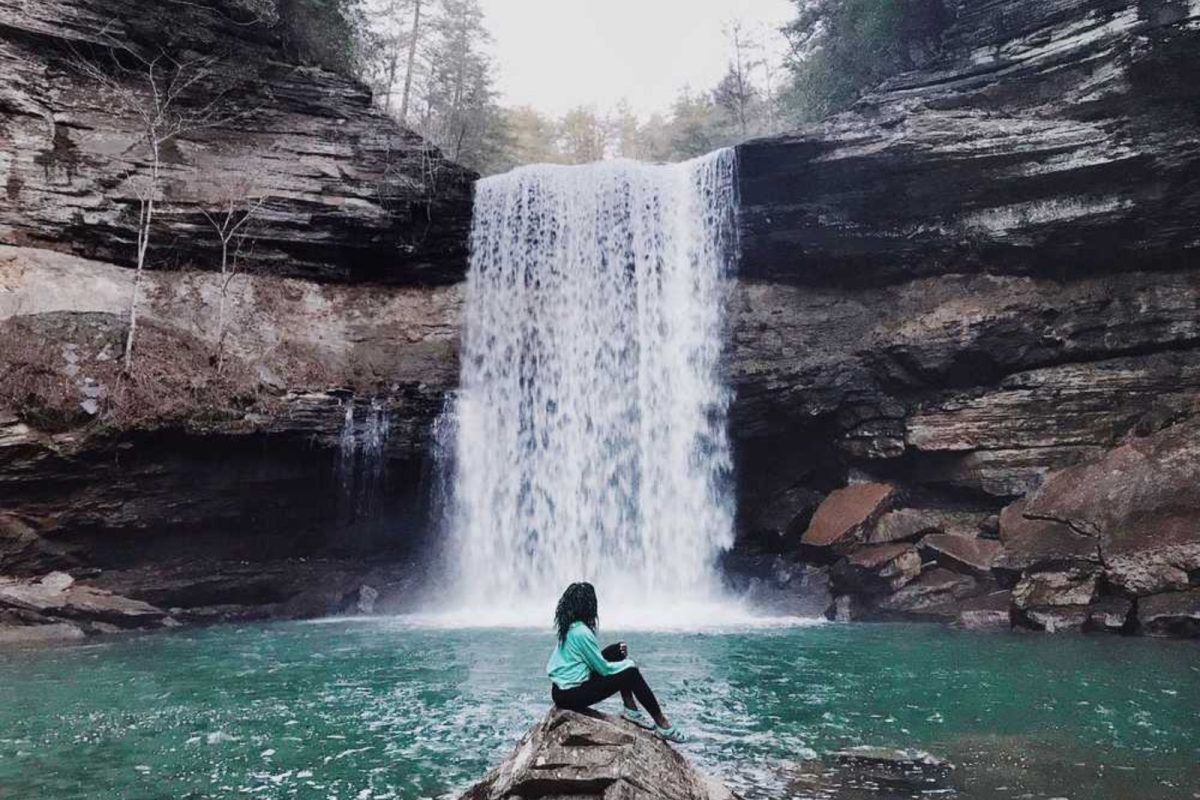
column 615, row 652
column 589, row 650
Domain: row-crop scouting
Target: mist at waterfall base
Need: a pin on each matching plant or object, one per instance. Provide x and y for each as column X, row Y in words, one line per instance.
column 589, row 434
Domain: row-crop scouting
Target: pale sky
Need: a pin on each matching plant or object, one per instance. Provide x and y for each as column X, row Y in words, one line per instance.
column 558, row 54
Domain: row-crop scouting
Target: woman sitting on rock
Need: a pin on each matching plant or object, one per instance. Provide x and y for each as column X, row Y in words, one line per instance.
column 581, row 674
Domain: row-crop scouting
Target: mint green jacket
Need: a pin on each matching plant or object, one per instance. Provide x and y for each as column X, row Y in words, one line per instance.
column 578, row 657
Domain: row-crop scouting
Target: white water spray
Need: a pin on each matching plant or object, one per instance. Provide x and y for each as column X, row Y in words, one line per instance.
column 591, row 441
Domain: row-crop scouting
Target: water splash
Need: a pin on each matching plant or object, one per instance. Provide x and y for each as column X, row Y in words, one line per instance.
column 591, row 441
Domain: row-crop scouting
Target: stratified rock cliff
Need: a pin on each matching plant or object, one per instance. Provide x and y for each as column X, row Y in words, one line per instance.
column 964, row 338
column 243, row 471
column 352, row 196
column 981, row 274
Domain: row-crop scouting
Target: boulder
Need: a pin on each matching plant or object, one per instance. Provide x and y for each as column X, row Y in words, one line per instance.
column 1030, row 542
column 844, row 515
column 778, row 584
column 904, row 524
column 968, row 553
column 1056, row 600
column 988, row 612
column 934, row 595
column 1141, row 503
column 58, row 596
column 1056, row 619
column 576, row 756
column 1170, row 614
column 877, row 569
column 775, row 523
column 1070, row 587
column 1110, row 614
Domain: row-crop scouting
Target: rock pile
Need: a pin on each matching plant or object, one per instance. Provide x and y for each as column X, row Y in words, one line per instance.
column 55, row 607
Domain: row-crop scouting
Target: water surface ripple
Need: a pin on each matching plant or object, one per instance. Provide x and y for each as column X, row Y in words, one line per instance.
column 383, row 709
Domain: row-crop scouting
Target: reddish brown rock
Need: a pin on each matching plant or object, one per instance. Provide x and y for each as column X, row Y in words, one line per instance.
column 963, row 552
column 845, row 513
column 1141, row 503
column 1030, row 542
column 878, row 555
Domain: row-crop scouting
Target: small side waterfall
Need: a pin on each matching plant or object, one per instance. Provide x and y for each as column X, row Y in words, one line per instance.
column 591, row 441
column 361, row 469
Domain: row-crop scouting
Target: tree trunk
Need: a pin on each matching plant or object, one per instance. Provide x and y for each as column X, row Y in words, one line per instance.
column 145, row 218
column 412, row 58
column 221, row 304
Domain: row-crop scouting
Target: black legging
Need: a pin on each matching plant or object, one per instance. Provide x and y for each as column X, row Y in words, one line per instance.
column 602, row 687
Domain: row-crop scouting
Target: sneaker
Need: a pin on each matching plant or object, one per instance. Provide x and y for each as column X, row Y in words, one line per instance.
column 637, row 718
column 671, row 734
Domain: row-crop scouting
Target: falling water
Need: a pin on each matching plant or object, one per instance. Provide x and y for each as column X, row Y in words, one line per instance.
column 361, row 471
column 591, row 439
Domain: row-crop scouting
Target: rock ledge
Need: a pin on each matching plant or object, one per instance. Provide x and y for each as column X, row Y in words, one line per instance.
column 571, row 755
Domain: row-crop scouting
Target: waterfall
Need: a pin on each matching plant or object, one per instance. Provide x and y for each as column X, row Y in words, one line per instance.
column 360, row 472
column 590, row 428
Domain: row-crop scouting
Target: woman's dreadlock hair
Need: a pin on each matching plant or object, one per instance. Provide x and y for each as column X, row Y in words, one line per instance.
column 577, row 604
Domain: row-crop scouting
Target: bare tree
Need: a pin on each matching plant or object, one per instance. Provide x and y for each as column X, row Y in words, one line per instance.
column 736, row 92
column 240, row 200
column 413, row 38
column 151, row 89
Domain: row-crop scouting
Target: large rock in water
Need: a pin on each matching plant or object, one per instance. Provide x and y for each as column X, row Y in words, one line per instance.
column 573, row 756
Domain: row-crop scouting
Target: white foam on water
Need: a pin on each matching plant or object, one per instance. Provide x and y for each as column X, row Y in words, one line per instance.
column 590, row 428
column 716, row 616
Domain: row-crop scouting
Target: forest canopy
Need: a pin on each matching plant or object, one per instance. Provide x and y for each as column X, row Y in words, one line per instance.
column 429, row 65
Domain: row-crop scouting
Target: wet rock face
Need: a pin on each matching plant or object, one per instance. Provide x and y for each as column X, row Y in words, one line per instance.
column 570, row 755
column 980, row 274
column 971, row 283
column 352, row 196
